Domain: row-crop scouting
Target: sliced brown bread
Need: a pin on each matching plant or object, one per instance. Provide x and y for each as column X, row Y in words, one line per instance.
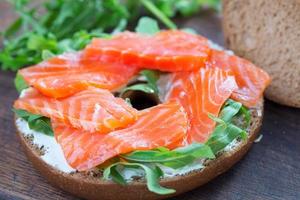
column 267, row 32
column 91, row 186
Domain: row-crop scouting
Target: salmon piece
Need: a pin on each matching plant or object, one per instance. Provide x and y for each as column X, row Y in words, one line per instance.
column 92, row 109
column 162, row 125
column 169, row 51
column 200, row 93
column 69, row 73
column 251, row 80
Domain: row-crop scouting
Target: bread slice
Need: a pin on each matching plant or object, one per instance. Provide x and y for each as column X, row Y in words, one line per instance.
column 91, row 186
column 267, row 33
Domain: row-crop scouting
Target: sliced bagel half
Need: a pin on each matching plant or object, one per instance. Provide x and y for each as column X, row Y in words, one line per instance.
column 91, row 186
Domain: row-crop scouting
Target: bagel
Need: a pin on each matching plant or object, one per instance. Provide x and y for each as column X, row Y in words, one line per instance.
column 91, row 186
column 48, row 154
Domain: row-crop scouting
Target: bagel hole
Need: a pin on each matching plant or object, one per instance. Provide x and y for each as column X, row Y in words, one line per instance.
column 141, row 100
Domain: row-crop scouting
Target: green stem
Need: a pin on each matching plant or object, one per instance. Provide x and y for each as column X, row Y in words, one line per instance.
column 160, row 15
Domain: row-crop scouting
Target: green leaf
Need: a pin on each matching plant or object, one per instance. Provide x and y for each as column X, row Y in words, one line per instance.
column 224, row 135
column 46, row 54
column 139, row 87
column 230, row 109
column 153, row 174
column 147, row 25
column 187, row 8
column 162, row 149
column 149, row 5
column 175, row 159
column 42, row 125
column 111, row 171
column 196, row 150
column 245, row 113
column 20, row 83
column 152, row 77
column 227, row 129
column 216, row 119
column 151, row 156
column 22, row 113
column 39, row 43
column 36, row 122
column 150, row 86
column 184, row 7
column 13, row 28
column 167, row 7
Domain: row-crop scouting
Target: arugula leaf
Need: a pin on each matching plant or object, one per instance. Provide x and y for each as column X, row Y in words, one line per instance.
column 13, row 28
column 229, row 110
column 39, row 42
column 226, row 130
column 197, row 150
column 185, row 7
column 245, row 114
column 158, row 13
column 41, row 124
column 152, row 78
column 223, row 135
column 153, row 174
column 46, row 54
column 112, row 171
column 147, row 25
column 36, row 122
column 139, row 87
column 145, row 159
column 150, row 86
column 151, row 156
column 234, row 112
column 191, row 153
column 175, row 159
column 20, row 83
column 79, row 40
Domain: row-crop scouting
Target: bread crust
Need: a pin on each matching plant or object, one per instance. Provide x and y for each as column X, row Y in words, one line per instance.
column 94, row 188
column 267, row 33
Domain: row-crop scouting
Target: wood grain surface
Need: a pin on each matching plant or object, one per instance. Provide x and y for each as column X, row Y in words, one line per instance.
column 271, row 170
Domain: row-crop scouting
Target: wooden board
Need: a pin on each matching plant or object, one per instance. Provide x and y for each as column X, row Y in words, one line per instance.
column 271, row 170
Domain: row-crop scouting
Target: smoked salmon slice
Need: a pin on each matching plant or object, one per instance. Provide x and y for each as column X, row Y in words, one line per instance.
column 168, row 51
column 162, row 125
column 251, row 80
column 200, row 93
column 67, row 74
column 92, row 109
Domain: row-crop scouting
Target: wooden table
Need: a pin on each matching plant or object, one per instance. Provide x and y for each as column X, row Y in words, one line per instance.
column 271, row 170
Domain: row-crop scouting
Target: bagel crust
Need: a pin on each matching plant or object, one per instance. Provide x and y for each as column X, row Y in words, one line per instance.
column 95, row 188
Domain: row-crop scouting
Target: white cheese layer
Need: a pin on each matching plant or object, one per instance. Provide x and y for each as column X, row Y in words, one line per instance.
column 53, row 153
